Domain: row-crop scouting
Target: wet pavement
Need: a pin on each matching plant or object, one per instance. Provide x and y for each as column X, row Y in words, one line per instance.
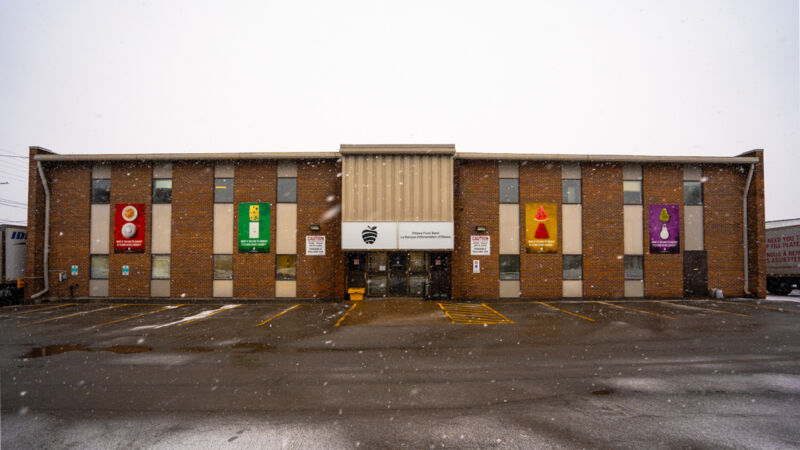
column 556, row 374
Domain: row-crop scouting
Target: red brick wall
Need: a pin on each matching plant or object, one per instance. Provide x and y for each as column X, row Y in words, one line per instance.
column 540, row 273
column 603, row 225
column 756, row 232
column 35, row 239
column 131, row 182
column 663, row 274
column 192, row 229
column 254, row 274
column 722, row 222
column 70, row 198
column 476, row 199
column 319, row 201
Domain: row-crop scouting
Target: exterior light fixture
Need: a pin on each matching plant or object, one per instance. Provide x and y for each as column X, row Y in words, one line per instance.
column 480, row 229
column 314, row 227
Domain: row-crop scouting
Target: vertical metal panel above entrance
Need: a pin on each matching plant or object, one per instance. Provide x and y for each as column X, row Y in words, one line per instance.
column 397, row 183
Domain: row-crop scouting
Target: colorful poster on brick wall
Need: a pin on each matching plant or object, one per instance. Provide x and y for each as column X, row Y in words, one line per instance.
column 541, row 227
column 254, row 227
column 129, row 226
column 665, row 229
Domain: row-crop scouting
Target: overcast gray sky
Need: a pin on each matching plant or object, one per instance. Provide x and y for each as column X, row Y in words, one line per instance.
column 711, row 77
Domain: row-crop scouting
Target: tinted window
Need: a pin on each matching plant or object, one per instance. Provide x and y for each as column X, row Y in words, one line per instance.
column 99, row 267
column 159, row 269
column 692, row 193
column 162, row 190
column 509, row 190
column 509, row 267
column 634, row 267
column 287, row 190
column 573, row 267
column 223, row 267
column 285, row 267
column 632, row 191
column 101, row 191
column 223, row 190
column 570, row 191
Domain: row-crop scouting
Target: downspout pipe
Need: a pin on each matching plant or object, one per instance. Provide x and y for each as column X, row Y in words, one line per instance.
column 46, row 250
column 744, row 229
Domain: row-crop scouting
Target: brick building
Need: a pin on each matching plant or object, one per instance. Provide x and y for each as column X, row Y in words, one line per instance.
column 396, row 220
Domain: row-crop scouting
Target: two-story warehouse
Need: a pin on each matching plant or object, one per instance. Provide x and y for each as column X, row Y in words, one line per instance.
column 396, row 220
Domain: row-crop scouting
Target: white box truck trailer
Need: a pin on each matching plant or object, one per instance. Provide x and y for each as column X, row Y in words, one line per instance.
column 783, row 256
column 12, row 262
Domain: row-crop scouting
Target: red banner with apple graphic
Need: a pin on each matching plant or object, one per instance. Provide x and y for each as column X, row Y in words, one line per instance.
column 129, row 226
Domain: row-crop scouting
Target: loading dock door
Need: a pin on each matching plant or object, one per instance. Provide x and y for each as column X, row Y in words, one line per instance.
column 439, row 284
column 695, row 274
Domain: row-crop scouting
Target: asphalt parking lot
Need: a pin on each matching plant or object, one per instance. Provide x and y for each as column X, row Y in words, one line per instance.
column 632, row 374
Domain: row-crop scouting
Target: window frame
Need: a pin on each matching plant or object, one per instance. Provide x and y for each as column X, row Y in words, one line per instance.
column 509, row 275
column 108, row 192
column 92, row 259
column 292, row 276
column 278, row 189
column 564, row 269
column 699, row 184
column 214, row 266
column 169, row 266
column 515, row 183
column 629, row 258
column 217, row 182
column 564, row 190
column 157, row 201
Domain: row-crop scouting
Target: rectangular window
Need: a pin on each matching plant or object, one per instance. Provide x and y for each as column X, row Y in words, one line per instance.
column 101, row 191
column 570, row 191
column 98, row 267
column 162, row 190
column 223, row 267
column 632, row 192
column 287, row 190
column 159, row 267
column 509, row 190
column 285, row 267
column 223, row 190
column 573, row 267
column 692, row 193
column 634, row 267
column 509, row 267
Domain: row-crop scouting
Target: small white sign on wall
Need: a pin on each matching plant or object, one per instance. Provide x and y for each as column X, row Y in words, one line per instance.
column 480, row 245
column 476, row 266
column 315, row 245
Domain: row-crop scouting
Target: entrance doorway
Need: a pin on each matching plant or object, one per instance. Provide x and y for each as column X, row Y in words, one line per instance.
column 400, row 274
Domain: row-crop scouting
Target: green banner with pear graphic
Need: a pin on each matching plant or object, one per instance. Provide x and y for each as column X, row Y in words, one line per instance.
column 254, row 227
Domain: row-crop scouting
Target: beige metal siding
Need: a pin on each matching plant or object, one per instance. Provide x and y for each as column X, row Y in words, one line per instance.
column 509, row 289
column 632, row 172
column 162, row 228
column 572, row 288
column 222, row 288
column 508, row 169
column 285, row 289
column 162, row 170
column 287, row 169
column 693, row 227
column 223, row 228
column 633, row 230
column 571, row 171
column 692, row 173
column 100, row 224
column 159, row 288
column 286, row 221
column 101, row 171
column 572, row 230
column 634, row 288
column 397, row 188
column 223, row 170
column 98, row 288
column 509, row 229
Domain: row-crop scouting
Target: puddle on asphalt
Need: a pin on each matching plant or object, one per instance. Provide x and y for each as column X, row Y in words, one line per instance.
column 602, row 392
column 50, row 350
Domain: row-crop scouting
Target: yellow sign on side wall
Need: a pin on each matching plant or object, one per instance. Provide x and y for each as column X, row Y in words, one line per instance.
column 541, row 227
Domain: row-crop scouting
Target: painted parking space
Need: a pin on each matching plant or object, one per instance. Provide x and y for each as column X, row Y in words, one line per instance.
column 473, row 314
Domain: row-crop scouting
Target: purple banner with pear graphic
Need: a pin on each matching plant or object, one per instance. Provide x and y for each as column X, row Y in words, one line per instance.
column 665, row 229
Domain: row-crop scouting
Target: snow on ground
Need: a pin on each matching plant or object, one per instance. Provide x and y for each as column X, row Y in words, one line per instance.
column 200, row 315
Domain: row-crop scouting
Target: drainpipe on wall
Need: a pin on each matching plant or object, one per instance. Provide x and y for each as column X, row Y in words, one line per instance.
column 744, row 230
column 46, row 250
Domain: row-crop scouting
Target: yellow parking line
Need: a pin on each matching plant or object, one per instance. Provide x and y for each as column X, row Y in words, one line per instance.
column 208, row 315
column 675, row 305
column 637, row 310
column 35, row 310
column 279, row 314
column 345, row 314
column 567, row 312
column 79, row 313
column 473, row 314
column 774, row 308
column 138, row 315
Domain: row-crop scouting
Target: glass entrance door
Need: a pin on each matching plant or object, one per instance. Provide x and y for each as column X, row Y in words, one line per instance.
column 397, row 274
